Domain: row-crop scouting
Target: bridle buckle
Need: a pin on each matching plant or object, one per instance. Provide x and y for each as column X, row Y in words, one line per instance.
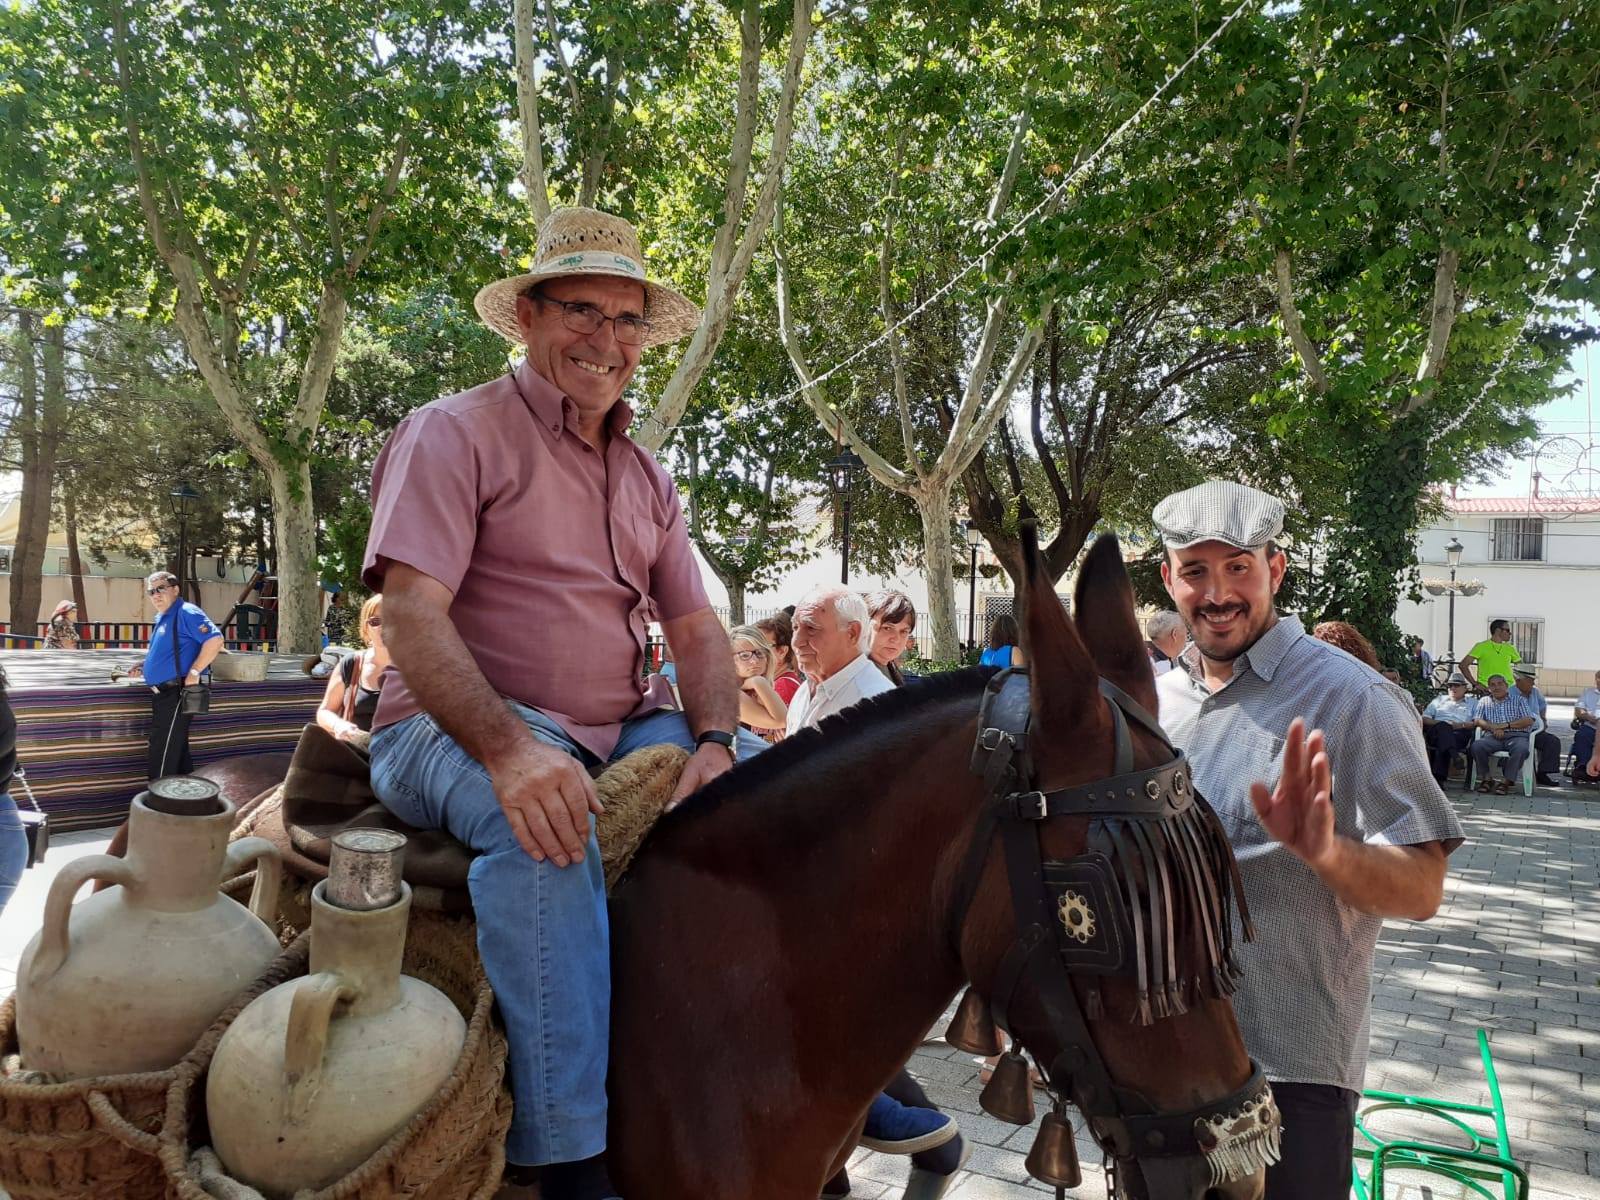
column 1034, row 806
column 992, row 739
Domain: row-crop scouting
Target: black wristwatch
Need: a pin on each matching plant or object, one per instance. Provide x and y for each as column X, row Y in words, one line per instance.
column 718, row 737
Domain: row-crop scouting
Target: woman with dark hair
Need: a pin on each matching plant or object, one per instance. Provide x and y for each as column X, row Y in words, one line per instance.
column 13, row 841
column 894, row 620
column 779, row 632
column 1005, row 649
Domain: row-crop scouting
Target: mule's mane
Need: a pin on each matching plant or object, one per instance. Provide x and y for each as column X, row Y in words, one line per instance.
column 839, row 735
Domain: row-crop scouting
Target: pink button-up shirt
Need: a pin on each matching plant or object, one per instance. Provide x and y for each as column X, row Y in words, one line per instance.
column 557, row 556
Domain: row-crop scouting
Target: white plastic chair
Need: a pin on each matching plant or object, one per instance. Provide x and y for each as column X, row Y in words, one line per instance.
column 1527, row 763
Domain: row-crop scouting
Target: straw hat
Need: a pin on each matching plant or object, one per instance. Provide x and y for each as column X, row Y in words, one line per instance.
column 585, row 241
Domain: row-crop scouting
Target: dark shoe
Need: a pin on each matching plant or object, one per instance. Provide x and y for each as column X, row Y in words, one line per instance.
column 838, row 1187
column 926, row 1184
column 1546, row 781
column 895, row 1128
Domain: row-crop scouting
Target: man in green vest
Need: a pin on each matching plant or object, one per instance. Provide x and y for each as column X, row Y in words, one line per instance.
column 1494, row 657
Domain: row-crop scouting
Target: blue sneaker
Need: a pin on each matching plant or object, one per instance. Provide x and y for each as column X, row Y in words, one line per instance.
column 896, row 1128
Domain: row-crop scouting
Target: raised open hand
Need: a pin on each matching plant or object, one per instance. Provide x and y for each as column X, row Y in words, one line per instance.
column 1298, row 811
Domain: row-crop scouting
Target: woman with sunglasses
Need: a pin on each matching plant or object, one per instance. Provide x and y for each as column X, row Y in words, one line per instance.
column 351, row 700
column 761, row 709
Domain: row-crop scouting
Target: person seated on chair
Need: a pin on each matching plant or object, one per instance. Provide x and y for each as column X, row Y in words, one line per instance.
column 1448, row 726
column 1495, row 656
column 1587, row 719
column 832, row 644
column 1504, row 719
column 523, row 542
column 351, row 699
column 1546, row 745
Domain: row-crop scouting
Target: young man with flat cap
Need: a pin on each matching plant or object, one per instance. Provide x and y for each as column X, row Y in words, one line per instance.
column 523, row 543
column 1335, row 829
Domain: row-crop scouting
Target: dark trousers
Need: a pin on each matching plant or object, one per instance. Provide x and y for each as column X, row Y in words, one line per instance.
column 1319, row 1122
column 1444, row 743
column 169, row 735
column 1546, row 753
column 1583, row 750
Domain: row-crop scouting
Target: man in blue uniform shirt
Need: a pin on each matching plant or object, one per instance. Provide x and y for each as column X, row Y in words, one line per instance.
column 198, row 641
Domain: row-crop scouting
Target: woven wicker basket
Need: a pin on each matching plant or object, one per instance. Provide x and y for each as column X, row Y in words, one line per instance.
column 454, row 1149
column 93, row 1139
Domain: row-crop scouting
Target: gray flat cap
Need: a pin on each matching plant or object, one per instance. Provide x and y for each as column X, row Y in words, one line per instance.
column 1457, row 677
column 1219, row 511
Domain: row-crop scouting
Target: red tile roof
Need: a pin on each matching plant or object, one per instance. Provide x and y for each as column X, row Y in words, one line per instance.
column 1520, row 505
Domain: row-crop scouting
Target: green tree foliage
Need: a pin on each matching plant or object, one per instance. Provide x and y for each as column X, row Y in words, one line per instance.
column 1404, row 177
column 262, row 165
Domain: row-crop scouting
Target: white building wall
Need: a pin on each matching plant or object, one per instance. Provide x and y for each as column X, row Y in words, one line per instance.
column 1562, row 592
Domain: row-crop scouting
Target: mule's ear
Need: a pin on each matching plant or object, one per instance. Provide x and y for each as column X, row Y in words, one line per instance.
column 1102, row 606
column 1065, row 690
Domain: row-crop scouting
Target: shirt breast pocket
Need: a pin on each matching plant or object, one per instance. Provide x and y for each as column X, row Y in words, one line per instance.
column 1250, row 755
column 643, row 550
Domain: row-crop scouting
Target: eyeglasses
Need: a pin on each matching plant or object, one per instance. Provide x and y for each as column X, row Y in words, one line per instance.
column 748, row 655
column 586, row 318
column 156, row 591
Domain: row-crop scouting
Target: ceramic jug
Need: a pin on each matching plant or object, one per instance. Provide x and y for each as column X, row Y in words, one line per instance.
column 128, row 979
column 315, row 1075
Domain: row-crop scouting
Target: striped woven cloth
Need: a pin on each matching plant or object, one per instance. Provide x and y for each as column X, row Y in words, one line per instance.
column 84, row 748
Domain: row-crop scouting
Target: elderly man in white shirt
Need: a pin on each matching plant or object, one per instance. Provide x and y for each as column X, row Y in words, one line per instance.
column 832, row 634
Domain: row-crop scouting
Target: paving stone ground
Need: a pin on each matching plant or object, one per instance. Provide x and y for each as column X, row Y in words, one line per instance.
column 1514, row 950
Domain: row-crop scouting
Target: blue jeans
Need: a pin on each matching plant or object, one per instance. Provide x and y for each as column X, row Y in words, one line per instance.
column 13, row 848
column 542, row 929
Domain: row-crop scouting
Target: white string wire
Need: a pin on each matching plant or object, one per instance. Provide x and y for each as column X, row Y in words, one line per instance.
column 1116, row 135
column 1551, row 277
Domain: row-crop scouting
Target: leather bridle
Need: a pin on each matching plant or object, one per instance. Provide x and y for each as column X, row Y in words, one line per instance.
column 1155, row 850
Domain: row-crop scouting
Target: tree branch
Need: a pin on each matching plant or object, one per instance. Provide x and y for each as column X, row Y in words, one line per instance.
column 561, row 55
column 527, row 63
column 719, row 301
column 877, row 466
column 1441, row 321
column 380, row 206
column 897, row 366
column 1292, row 326
column 747, row 102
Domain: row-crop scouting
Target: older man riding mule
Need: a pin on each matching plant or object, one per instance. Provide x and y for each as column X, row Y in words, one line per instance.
column 522, row 542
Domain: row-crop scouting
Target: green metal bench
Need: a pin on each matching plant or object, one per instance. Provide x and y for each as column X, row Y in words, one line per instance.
column 1484, row 1162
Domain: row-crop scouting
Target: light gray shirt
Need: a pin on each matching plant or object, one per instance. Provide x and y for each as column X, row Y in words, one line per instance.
column 1450, row 710
column 1303, row 1005
column 1590, row 703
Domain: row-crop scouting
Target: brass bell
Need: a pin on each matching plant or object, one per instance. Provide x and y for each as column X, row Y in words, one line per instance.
column 972, row 1028
column 1054, row 1157
column 1009, row 1093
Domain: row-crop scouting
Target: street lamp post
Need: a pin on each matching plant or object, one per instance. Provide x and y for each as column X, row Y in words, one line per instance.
column 841, row 471
column 974, row 540
column 183, row 500
column 1452, row 555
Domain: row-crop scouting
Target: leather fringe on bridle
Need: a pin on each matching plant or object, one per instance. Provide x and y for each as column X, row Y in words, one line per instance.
column 1174, row 869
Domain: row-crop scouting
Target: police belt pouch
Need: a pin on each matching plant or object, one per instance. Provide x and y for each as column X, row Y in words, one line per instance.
column 193, row 700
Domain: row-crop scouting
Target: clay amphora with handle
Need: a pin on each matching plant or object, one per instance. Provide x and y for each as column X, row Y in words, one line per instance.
column 129, row 979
